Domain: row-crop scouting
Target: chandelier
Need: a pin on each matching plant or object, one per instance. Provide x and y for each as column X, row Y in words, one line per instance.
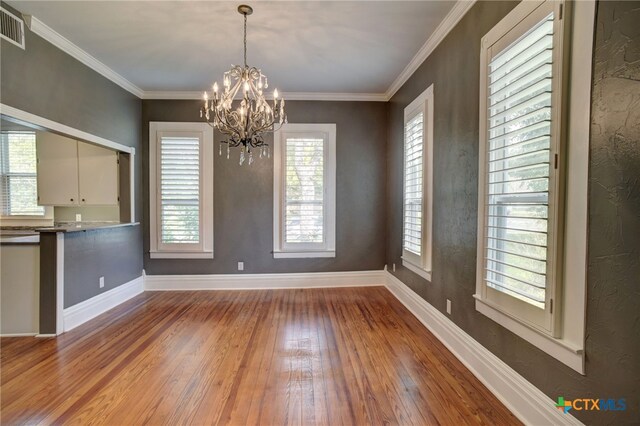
column 246, row 124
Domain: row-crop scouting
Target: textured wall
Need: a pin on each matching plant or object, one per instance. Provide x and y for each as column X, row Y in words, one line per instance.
column 613, row 292
column 45, row 81
column 613, row 316
column 244, row 195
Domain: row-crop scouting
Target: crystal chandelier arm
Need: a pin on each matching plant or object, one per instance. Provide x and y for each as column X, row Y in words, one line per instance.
column 264, row 126
column 233, row 91
column 227, row 126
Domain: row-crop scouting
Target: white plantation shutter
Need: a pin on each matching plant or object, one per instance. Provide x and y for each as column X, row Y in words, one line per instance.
column 417, row 193
column 18, row 184
column 179, row 190
column 519, row 194
column 413, row 176
column 304, row 184
column 304, row 190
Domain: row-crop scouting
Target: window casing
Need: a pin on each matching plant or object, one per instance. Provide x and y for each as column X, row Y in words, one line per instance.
column 418, row 184
column 181, row 190
column 18, row 178
column 304, row 191
column 533, row 175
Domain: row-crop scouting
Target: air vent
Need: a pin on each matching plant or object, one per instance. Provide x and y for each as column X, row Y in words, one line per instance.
column 12, row 28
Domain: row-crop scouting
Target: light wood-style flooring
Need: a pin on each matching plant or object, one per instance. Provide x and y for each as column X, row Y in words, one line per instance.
column 352, row 356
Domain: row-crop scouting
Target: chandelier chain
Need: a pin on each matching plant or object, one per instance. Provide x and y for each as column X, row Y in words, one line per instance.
column 245, row 40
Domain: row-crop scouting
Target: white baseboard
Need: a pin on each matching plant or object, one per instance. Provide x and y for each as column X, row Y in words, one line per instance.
column 264, row 281
column 18, row 334
column 525, row 401
column 91, row 308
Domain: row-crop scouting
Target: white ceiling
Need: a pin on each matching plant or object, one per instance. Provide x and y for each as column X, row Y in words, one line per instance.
column 302, row 46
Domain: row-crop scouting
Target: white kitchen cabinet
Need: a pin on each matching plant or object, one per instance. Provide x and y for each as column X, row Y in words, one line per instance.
column 57, row 170
column 98, row 175
column 72, row 173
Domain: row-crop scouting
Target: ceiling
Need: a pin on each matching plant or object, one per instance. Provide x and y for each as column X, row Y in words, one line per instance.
column 302, row 46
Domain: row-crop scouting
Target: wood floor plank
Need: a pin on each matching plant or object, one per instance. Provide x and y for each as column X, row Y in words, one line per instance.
column 348, row 356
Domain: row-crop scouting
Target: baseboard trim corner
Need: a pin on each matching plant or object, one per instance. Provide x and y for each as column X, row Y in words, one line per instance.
column 525, row 401
column 264, row 281
column 84, row 311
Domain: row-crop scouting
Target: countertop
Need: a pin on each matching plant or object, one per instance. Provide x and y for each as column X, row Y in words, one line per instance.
column 84, row 226
column 25, row 235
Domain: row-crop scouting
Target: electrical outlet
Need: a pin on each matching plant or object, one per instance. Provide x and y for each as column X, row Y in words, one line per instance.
column 394, row 267
column 449, row 306
column 101, row 282
column 78, row 217
column 240, row 266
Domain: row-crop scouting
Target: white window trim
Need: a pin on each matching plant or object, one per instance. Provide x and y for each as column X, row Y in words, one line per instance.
column 23, row 220
column 422, row 266
column 206, row 177
column 29, row 220
column 568, row 346
column 280, row 250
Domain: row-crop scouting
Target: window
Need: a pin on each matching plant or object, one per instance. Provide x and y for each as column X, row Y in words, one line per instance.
column 523, row 271
column 418, row 179
column 181, row 190
column 19, row 185
column 304, row 191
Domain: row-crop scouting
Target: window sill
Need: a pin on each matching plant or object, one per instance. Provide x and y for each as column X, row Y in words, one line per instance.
column 303, row 254
column 562, row 350
column 181, row 255
column 417, row 270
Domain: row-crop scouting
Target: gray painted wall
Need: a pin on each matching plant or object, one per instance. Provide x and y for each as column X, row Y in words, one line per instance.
column 48, row 283
column 613, row 287
column 244, row 195
column 47, row 82
column 88, row 255
column 613, row 317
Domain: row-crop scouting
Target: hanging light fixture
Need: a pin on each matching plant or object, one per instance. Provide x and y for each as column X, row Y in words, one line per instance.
column 253, row 116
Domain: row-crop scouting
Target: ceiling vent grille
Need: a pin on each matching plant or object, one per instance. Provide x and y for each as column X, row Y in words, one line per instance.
column 12, row 28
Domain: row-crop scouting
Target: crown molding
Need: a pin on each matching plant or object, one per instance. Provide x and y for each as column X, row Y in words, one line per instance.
column 171, row 94
column 448, row 23
column 336, row 96
column 43, row 30
column 289, row 96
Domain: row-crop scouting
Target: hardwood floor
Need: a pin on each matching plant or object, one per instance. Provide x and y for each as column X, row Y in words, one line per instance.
column 319, row 356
